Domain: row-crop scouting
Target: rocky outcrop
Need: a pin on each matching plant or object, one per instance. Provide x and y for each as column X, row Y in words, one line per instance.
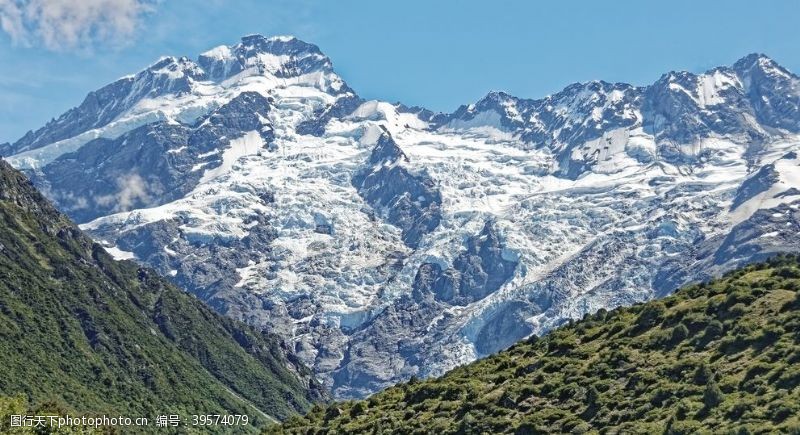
column 475, row 273
column 409, row 201
column 760, row 182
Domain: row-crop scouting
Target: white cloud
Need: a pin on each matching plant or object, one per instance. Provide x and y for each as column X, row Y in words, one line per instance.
column 72, row 24
column 132, row 189
column 11, row 19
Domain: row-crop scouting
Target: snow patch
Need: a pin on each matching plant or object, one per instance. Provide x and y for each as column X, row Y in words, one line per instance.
column 119, row 254
column 247, row 145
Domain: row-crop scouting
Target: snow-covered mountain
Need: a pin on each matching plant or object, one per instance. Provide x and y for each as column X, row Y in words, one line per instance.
column 384, row 241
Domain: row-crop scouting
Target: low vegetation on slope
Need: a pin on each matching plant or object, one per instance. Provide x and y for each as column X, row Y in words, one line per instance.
column 82, row 332
column 719, row 357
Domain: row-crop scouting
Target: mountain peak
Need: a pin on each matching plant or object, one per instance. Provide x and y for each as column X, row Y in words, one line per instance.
column 280, row 44
column 492, row 99
column 497, row 96
column 175, row 67
column 753, row 59
column 257, row 38
column 281, row 56
column 759, row 62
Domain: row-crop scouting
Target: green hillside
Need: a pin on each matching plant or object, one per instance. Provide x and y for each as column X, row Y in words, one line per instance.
column 82, row 332
column 722, row 357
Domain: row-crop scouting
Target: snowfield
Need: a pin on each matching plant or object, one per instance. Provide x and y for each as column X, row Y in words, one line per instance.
column 594, row 197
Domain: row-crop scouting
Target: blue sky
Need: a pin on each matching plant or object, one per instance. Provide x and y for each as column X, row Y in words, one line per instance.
column 437, row 54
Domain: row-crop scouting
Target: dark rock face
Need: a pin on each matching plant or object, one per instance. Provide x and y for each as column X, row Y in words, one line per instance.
column 673, row 114
column 505, row 327
column 421, row 113
column 394, row 338
column 212, row 266
column 400, row 335
column 246, row 112
column 148, row 166
column 476, row 272
column 210, row 271
column 773, row 91
column 788, row 192
column 432, row 279
column 133, row 171
column 242, row 113
column 168, row 76
column 758, row 183
column 343, row 106
column 412, row 202
column 582, row 99
column 766, row 233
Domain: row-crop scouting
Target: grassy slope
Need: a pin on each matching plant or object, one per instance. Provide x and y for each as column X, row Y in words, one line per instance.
column 90, row 334
column 713, row 358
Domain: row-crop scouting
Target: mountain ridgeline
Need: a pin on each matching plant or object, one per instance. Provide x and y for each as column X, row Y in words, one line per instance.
column 382, row 241
column 716, row 357
column 91, row 335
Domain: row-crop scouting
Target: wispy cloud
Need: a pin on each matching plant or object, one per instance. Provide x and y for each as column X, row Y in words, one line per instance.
column 133, row 189
column 63, row 25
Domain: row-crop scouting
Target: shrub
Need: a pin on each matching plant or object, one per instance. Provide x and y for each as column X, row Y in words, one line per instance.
column 651, row 315
column 359, row 408
column 787, row 272
column 681, row 410
column 702, row 375
column 714, row 329
column 737, row 410
column 684, row 427
column 679, row 333
column 767, row 335
column 740, row 297
column 781, row 411
column 712, row 396
column 737, row 310
column 790, row 377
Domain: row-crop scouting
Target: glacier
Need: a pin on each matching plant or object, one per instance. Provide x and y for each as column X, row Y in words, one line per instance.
column 383, row 241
